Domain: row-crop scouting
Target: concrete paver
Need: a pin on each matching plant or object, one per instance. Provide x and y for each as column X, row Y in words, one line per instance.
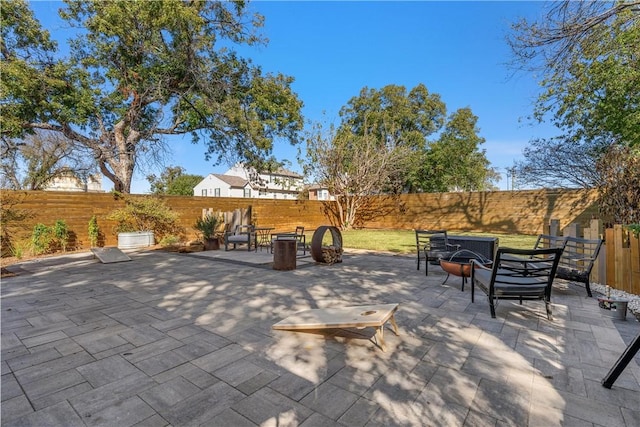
column 186, row 339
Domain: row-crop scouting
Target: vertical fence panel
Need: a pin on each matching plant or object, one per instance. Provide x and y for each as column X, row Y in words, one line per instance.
column 634, row 250
column 611, row 255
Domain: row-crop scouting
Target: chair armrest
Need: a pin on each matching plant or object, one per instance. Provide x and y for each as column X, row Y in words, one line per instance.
column 454, row 246
column 477, row 264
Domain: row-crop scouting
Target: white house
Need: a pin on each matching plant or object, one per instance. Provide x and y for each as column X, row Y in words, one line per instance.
column 241, row 182
column 68, row 181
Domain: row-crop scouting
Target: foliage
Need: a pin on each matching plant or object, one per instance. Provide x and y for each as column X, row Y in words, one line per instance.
column 60, row 234
column 588, row 54
column 11, row 218
column 209, row 225
column 635, row 229
column 453, row 162
column 20, row 248
column 353, row 167
column 397, row 118
column 142, row 213
column 169, row 240
column 140, row 70
column 93, row 231
column 32, row 162
column 174, row 181
column 553, row 163
column 619, row 195
column 41, row 239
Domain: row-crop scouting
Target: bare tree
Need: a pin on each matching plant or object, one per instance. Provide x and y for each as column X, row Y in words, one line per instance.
column 31, row 163
column 552, row 163
column 353, row 167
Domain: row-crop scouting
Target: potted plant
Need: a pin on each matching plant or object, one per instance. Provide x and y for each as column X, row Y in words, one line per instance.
column 208, row 227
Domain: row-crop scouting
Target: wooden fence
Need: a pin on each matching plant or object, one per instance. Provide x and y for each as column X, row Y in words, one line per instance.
column 618, row 264
column 623, row 260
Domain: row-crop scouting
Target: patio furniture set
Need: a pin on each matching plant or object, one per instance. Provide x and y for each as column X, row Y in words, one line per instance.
column 521, row 274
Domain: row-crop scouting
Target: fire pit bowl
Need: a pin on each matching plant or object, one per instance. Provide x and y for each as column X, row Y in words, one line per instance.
column 459, row 264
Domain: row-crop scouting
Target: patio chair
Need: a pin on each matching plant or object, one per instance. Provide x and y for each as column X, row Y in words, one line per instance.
column 241, row 235
column 297, row 235
column 517, row 274
column 578, row 257
column 432, row 245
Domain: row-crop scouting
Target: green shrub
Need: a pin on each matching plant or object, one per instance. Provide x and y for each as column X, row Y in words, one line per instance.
column 94, row 232
column 41, row 239
column 169, row 240
column 19, row 248
column 60, row 234
column 208, row 226
column 145, row 214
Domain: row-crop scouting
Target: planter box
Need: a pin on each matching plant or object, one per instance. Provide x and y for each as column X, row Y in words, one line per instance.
column 136, row 239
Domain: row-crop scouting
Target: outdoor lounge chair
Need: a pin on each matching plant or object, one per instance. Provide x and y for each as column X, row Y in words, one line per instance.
column 241, row 235
column 517, row 274
column 432, row 245
column 578, row 257
column 297, row 235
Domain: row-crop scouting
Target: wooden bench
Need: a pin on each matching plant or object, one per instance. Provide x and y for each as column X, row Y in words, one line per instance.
column 578, row 256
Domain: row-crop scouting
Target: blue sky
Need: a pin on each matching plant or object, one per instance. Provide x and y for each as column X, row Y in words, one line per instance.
column 334, row 49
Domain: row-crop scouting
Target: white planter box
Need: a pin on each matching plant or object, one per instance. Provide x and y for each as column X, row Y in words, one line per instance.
column 136, row 239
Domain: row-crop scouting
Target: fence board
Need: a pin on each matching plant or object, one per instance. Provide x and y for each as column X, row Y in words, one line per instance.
column 634, row 249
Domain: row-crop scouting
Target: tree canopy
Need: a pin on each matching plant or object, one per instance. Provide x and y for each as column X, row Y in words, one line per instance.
column 139, row 71
column 391, row 141
column 173, row 180
column 588, row 54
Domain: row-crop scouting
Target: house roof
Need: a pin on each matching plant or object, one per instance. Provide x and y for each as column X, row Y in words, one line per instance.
column 284, row 172
column 233, row 181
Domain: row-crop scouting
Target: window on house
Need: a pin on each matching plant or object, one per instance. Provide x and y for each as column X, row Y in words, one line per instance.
column 262, row 192
column 203, row 192
column 216, row 192
column 247, row 192
column 323, row 194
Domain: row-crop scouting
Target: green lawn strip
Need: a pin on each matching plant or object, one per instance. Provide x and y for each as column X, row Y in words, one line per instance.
column 404, row 241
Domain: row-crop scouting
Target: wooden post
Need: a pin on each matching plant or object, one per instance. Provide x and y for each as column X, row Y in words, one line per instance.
column 611, row 257
column 552, row 228
column 593, row 232
column 634, row 246
column 572, row 230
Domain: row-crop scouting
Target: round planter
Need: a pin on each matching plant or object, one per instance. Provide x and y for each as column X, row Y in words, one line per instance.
column 136, row 239
column 613, row 307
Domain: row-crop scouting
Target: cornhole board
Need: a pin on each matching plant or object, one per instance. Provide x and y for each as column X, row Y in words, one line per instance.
column 361, row 316
column 110, row 255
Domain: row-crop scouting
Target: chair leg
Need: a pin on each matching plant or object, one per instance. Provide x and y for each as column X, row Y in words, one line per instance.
column 473, row 290
column 493, row 308
column 426, row 266
column 586, row 285
column 548, row 307
column 418, row 259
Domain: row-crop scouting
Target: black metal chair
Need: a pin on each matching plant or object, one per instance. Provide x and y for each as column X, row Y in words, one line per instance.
column 432, row 245
column 517, row 274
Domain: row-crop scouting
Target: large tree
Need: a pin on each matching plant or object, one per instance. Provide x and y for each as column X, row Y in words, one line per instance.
column 141, row 70
column 455, row 162
column 588, row 57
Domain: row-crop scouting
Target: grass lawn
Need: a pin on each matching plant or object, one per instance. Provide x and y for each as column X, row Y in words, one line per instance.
column 404, row 241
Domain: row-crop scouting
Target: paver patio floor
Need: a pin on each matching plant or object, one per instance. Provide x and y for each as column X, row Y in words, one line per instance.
column 186, row 340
